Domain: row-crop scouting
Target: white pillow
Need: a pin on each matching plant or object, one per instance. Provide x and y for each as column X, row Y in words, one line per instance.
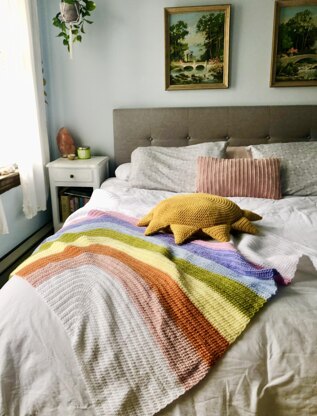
column 123, row 171
column 298, row 165
column 170, row 168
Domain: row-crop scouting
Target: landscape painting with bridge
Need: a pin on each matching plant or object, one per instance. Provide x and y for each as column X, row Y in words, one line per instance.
column 197, row 47
column 294, row 60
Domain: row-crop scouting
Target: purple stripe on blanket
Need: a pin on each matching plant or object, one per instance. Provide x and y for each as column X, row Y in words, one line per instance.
column 223, row 254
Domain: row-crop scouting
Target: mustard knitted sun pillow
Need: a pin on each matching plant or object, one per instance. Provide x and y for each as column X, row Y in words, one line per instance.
column 186, row 215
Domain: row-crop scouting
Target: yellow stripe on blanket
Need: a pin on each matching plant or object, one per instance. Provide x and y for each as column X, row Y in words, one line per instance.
column 212, row 305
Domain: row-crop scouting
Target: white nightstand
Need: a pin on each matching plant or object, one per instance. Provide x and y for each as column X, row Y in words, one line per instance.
column 83, row 173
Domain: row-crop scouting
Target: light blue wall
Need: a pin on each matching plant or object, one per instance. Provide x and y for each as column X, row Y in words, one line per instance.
column 120, row 63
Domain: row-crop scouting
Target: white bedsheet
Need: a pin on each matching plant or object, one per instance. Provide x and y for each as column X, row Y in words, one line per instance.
column 270, row 370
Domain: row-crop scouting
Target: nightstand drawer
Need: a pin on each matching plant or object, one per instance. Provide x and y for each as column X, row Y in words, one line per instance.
column 73, row 175
column 71, row 183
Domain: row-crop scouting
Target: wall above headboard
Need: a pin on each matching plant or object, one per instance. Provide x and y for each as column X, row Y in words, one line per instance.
column 240, row 126
column 120, row 64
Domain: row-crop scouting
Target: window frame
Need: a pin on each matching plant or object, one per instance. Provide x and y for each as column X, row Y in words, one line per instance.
column 9, row 181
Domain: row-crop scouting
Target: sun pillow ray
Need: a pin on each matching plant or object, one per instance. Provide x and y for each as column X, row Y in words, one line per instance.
column 190, row 214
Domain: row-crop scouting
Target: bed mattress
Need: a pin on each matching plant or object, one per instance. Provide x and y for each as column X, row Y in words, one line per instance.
column 270, row 369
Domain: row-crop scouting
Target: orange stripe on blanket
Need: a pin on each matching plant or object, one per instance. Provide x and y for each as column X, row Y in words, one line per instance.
column 206, row 340
column 179, row 352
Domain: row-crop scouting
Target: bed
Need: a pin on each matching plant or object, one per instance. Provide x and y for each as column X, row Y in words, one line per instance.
column 83, row 334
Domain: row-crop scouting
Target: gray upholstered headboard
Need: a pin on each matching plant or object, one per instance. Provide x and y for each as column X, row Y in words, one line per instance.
column 240, row 126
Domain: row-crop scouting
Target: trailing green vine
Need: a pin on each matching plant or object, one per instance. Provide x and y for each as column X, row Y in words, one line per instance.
column 71, row 32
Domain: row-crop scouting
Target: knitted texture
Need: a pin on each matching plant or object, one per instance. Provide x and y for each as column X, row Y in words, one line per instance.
column 186, row 215
column 256, row 178
column 146, row 318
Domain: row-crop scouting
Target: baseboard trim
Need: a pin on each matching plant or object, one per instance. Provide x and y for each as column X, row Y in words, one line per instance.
column 14, row 255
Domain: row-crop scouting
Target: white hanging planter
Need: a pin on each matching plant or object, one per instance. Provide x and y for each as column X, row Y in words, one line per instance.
column 70, row 14
column 71, row 19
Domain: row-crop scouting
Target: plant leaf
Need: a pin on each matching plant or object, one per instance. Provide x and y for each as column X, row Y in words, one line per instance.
column 86, row 6
column 90, row 6
column 56, row 22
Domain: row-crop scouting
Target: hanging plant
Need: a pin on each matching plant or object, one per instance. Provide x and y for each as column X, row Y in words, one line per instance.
column 71, row 20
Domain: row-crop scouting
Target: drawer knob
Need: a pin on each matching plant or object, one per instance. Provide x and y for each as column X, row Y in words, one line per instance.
column 71, row 176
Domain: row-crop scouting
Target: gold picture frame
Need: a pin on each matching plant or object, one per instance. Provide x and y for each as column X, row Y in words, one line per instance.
column 197, row 47
column 294, row 47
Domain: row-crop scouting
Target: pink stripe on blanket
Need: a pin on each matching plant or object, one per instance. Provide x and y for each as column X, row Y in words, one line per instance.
column 215, row 245
column 79, row 217
column 94, row 213
column 188, row 367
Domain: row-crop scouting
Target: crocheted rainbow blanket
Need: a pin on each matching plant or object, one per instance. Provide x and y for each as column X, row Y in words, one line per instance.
column 146, row 318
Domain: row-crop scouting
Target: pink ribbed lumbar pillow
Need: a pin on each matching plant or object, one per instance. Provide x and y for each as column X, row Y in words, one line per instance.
column 258, row 178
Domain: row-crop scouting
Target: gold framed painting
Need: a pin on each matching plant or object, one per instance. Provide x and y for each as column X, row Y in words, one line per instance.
column 294, row 48
column 197, row 47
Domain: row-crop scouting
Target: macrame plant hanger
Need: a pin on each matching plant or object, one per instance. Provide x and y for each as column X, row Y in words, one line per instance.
column 71, row 16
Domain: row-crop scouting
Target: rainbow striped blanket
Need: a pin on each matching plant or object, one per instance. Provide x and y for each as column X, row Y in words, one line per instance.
column 146, row 318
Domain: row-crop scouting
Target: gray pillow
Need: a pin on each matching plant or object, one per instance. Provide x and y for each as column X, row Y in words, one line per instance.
column 170, row 168
column 298, row 165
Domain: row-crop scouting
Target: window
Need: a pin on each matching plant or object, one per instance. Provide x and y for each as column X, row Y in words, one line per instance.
column 23, row 134
column 9, row 176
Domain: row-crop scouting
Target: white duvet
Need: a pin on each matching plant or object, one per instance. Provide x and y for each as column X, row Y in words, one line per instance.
column 270, row 370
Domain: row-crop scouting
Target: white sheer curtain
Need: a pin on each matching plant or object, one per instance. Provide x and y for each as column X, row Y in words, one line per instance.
column 23, row 134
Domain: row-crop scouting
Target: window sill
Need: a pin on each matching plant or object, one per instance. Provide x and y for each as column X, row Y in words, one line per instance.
column 9, row 181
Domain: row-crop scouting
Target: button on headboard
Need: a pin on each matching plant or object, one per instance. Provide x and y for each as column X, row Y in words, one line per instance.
column 240, row 126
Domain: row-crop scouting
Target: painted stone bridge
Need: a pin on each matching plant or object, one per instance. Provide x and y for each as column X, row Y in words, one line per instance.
column 194, row 64
column 285, row 60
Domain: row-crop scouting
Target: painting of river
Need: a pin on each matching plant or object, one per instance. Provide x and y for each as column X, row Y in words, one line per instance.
column 197, row 47
column 294, row 60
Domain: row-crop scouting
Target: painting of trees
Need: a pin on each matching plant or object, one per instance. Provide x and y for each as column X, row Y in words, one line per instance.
column 212, row 26
column 294, row 54
column 178, row 32
column 197, row 47
column 299, row 33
